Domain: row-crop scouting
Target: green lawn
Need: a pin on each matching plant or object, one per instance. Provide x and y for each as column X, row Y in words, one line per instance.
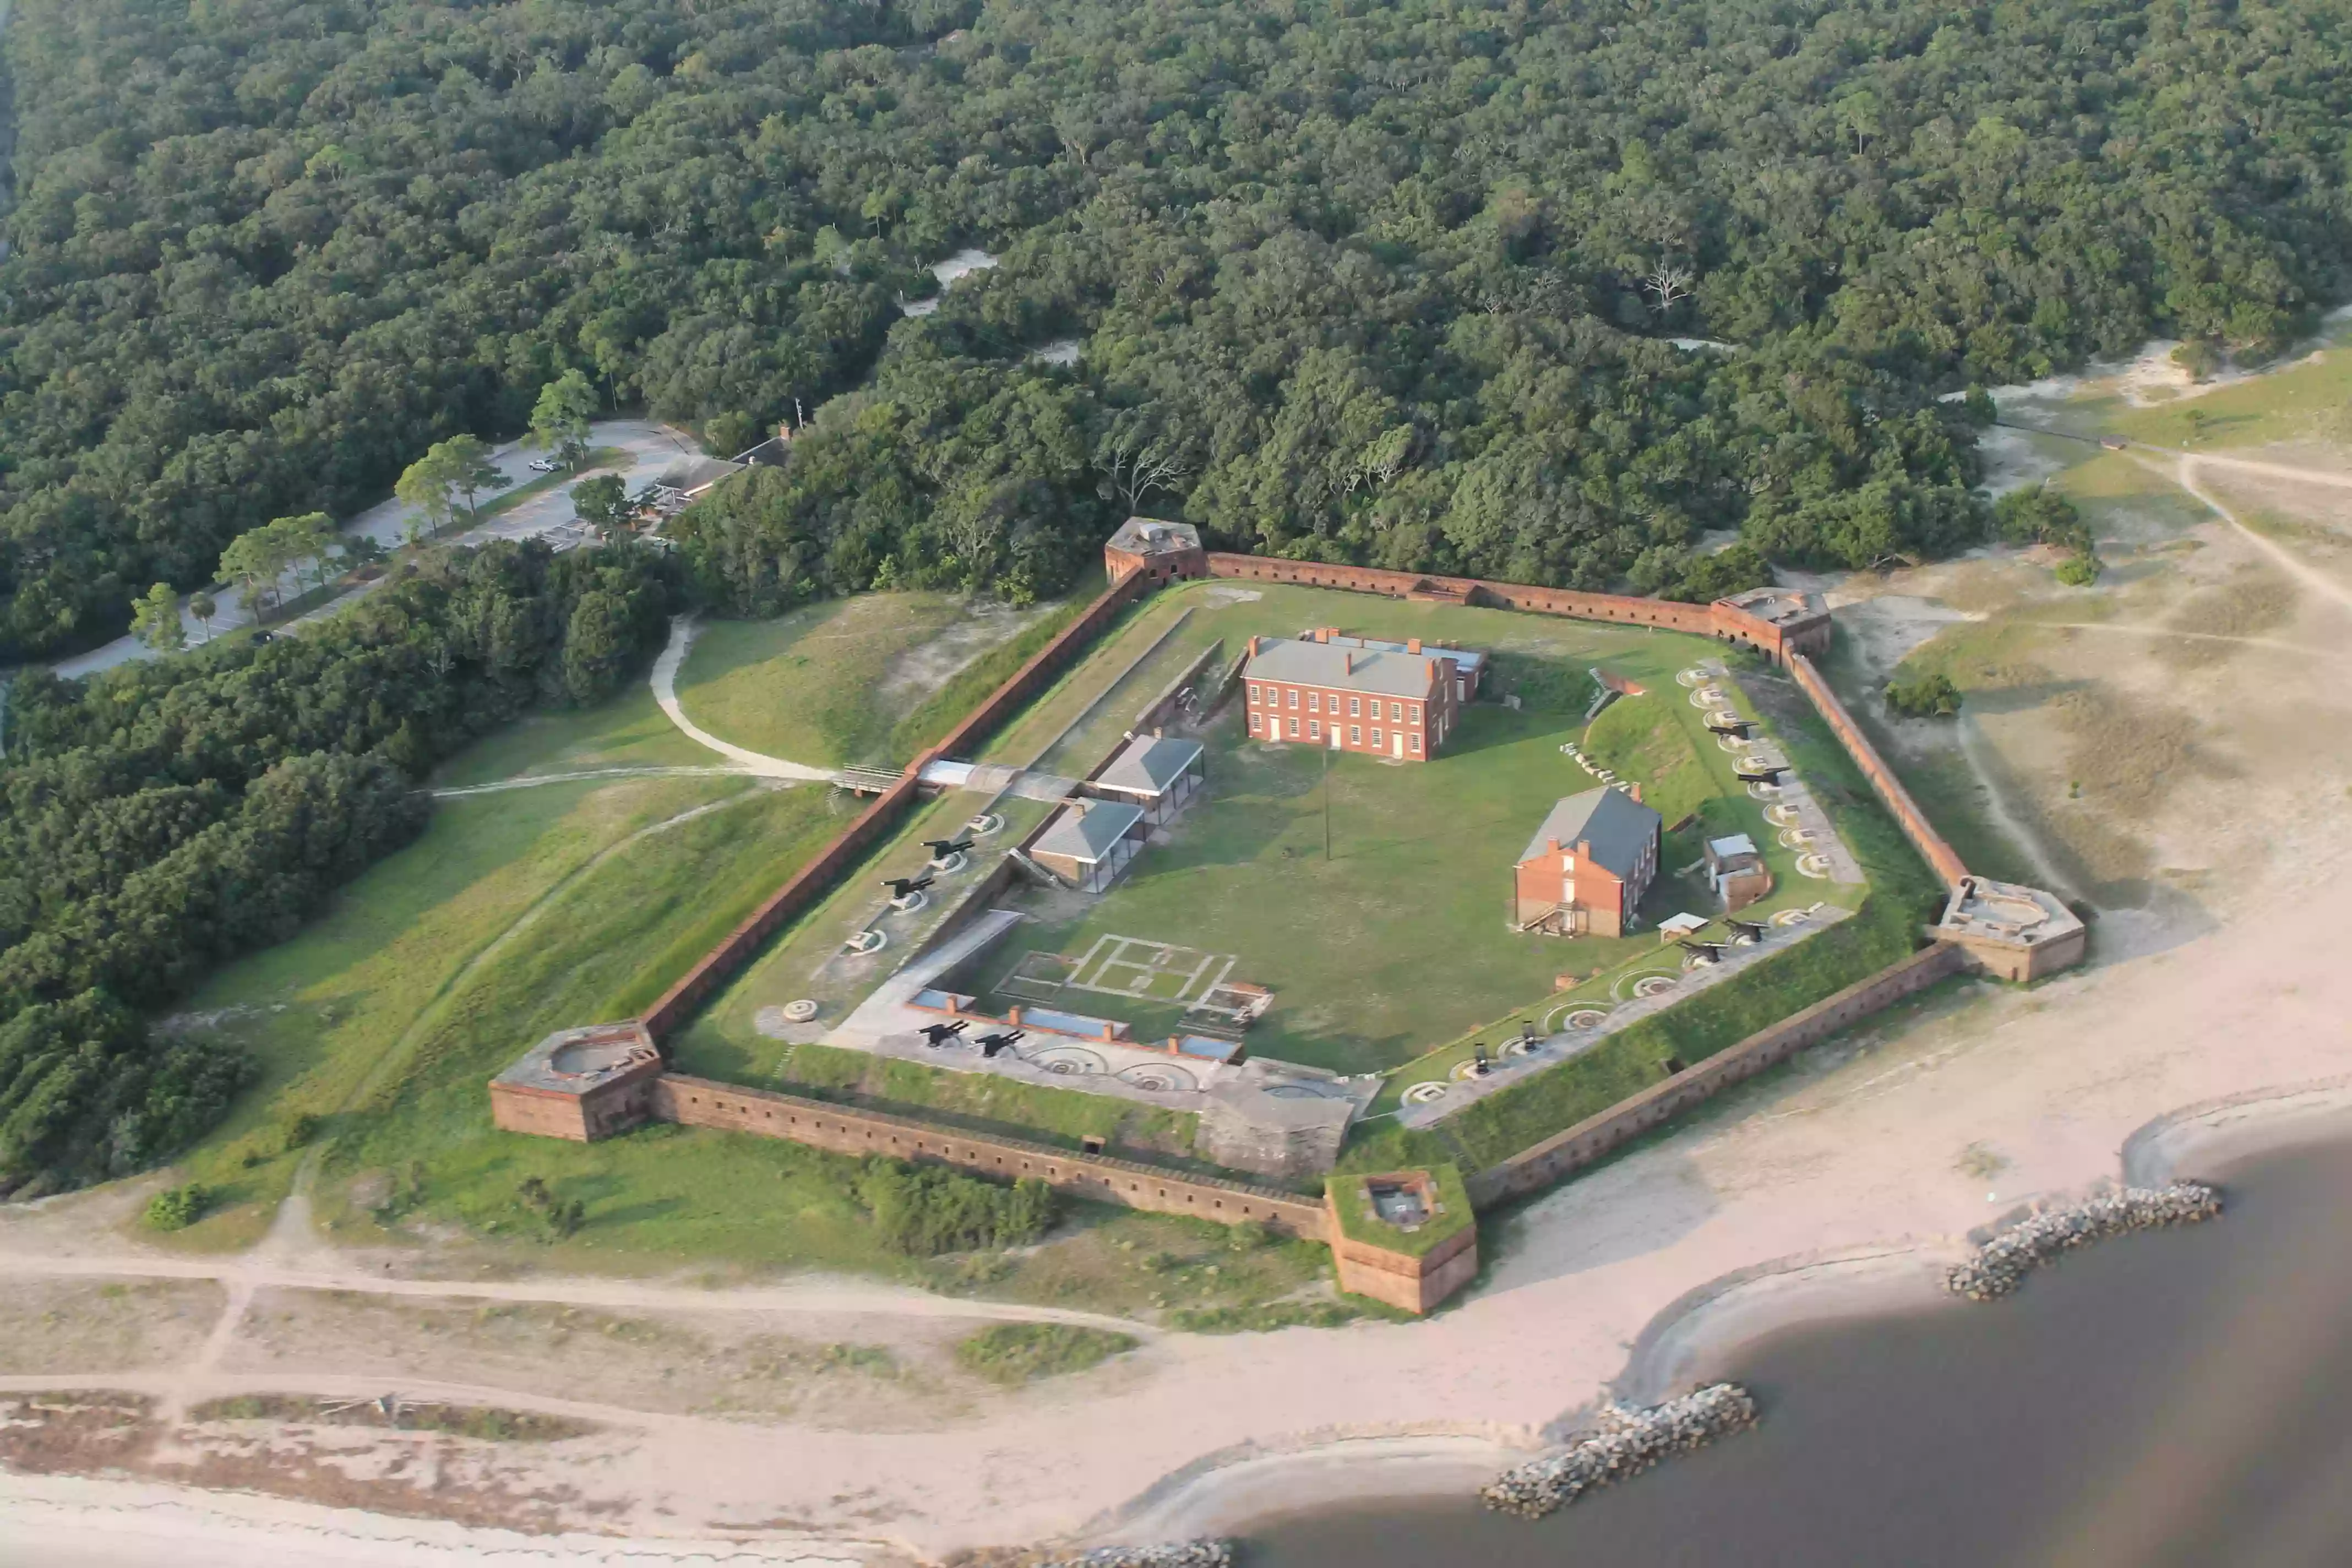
column 807, row 685
column 1399, row 943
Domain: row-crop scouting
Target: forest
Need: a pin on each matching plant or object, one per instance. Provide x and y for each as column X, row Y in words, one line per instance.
column 1568, row 292
column 166, row 816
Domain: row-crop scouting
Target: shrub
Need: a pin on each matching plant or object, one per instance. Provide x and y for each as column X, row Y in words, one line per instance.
column 1020, row 1353
column 1924, row 695
column 923, row 1212
column 178, row 1208
column 2079, row 570
column 559, row 1217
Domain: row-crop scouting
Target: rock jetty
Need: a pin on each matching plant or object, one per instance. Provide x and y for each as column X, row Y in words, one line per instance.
column 2001, row 1265
column 1168, row 1554
column 1630, row 1441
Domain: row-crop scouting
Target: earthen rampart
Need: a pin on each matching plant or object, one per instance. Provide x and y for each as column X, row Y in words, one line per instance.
column 841, row 1129
column 1564, row 1153
column 1897, row 800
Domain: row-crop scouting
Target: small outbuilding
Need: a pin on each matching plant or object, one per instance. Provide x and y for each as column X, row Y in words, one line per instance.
column 1156, row 773
column 1736, row 871
column 1090, row 842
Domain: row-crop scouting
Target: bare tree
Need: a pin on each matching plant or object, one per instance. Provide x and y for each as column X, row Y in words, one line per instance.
column 1668, row 281
column 1135, row 463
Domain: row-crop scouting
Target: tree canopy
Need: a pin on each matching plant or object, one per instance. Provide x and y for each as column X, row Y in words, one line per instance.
column 1399, row 283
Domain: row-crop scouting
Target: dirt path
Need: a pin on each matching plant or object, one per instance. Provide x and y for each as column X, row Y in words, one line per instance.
column 664, row 682
column 532, row 781
column 2184, row 474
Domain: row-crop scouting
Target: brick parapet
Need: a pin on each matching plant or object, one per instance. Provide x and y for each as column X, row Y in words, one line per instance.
column 1914, row 822
column 1104, row 1178
column 1724, row 622
column 1566, row 1153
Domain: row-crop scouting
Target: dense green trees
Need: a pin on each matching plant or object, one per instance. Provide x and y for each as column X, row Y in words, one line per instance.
column 1395, row 283
column 164, row 816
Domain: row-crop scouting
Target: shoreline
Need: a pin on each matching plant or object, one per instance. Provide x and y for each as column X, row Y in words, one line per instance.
column 1698, row 1338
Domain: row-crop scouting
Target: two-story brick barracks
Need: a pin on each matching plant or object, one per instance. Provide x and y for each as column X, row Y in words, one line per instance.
column 1588, row 866
column 1394, row 700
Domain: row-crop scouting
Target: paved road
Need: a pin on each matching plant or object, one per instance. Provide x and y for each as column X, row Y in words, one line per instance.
column 650, row 448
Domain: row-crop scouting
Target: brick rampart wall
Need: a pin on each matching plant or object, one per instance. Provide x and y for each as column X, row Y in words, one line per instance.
column 1563, row 1153
column 1907, row 814
column 1701, row 620
column 841, row 1129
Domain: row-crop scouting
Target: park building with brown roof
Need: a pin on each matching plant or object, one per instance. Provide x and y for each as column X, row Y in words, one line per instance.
column 1591, row 860
column 1394, row 700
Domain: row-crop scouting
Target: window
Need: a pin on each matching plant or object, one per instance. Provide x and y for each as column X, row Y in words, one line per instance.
column 1396, row 712
column 1253, row 694
column 1257, row 722
column 1413, row 744
column 1354, row 707
column 1294, row 702
column 1355, row 734
column 1294, row 729
column 1315, row 729
column 1315, row 702
column 1376, row 737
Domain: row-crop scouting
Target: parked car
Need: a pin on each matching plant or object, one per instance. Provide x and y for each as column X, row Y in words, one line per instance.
column 541, row 466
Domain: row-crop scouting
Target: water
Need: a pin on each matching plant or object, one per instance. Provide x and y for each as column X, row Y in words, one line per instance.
column 2180, row 1397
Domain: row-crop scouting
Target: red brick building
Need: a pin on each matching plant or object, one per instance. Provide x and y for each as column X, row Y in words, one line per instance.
column 1397, row 699
column 1587, row 865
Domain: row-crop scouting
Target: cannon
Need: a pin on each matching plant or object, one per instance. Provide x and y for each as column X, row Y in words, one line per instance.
column 941, row 849
column 906, row 886
column 938, row 1035
column 990, row 1044
column 1746, row 931
column 1739, row 727
column 1705, row 951
column 1758, row 775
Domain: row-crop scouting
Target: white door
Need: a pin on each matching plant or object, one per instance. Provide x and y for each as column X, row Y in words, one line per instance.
column 1396, row 744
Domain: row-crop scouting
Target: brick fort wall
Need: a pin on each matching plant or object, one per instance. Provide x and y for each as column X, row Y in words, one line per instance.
column 841, row 1129
column 1906, row 813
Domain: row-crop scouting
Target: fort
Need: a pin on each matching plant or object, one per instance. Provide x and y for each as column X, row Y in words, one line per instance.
column 1406, row 1237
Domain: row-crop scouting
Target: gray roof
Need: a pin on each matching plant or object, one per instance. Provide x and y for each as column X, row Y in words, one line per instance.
column 1466, row 658
column 1149, row 764
column 1618, row 825
column 694, row 473
column 1150, row 536
column 1089, row 834
column 1376, row 672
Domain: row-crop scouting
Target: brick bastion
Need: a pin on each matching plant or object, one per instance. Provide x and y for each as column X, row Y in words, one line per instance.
column 597, row 1080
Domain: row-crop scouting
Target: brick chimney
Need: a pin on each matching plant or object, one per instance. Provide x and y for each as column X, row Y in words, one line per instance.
column 1351, row 661
column 1412, row 645
column 1252, row 647
column 1636, row 793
